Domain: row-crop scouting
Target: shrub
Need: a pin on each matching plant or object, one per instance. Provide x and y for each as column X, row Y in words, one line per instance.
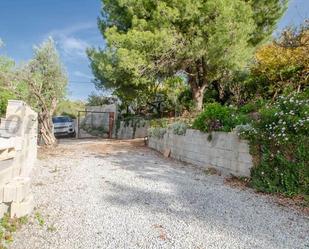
column 280, row 144
column 253, row 106
column 216, row 117
column 179, row 128
column 4, row 97
column 160, row 123
column 156, row 132
column 277, row 172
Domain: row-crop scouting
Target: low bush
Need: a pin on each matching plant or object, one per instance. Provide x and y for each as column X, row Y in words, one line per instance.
column 251, row 107
column 156, row 132
column 160, row 123
column 216, row 117
column 280, row 145
column 179, row 128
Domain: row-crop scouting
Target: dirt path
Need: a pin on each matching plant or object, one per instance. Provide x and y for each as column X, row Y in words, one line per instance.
column 109, row 194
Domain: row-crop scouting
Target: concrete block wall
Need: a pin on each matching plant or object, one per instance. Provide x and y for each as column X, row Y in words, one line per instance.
column 127, row 131
column 18, row 152
column 96, row 117
column 225, row 151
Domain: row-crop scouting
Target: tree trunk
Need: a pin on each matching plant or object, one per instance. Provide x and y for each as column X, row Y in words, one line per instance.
column 198, row 83
column 198, row 96
column 46, row 129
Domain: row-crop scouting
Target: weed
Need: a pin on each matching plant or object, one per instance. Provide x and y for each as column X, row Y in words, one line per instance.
column 8, row 226
column 39, row 218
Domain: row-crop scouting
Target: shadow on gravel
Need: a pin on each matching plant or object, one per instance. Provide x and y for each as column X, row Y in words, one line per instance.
column 167, row 187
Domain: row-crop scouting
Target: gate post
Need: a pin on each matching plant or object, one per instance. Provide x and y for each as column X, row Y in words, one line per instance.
column 111, row 124
column 78, row 124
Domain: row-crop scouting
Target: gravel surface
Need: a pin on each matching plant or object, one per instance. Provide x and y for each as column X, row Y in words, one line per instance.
column 104, row 194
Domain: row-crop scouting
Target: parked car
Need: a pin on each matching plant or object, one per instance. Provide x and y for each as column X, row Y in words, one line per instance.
column 64, row 126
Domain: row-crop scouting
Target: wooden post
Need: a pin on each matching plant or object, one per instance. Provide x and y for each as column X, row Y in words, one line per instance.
column 111, row 124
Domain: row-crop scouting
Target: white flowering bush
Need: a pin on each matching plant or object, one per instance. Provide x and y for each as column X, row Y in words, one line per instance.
column 179, row 128
column 245, row 130
column 281, row 145
column 290, row 120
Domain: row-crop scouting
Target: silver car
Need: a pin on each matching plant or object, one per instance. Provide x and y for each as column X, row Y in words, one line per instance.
column 64, row 126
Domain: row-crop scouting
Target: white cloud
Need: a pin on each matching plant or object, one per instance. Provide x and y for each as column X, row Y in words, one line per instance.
column 72, row 29
column 67, row 40
column 82, row 75
column 72, row 46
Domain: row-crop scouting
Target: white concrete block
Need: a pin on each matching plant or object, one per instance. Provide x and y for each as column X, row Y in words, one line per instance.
column 4, row 208
column 6, row 171
column 19, row 209
column 9, row 192
column 16, row 190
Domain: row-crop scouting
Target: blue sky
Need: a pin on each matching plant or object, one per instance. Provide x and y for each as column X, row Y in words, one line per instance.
column 73, row 25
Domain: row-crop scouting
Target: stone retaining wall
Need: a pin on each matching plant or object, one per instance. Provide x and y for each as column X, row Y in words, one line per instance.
column 18, row 152
column 225, row 151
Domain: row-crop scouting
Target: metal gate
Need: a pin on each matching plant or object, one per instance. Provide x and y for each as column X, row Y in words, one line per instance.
column 91, row 124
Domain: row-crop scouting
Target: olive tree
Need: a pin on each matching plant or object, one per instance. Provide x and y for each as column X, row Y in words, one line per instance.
column 42, row 84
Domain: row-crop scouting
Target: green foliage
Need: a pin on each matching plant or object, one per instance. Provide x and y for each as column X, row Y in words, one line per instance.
column 216, row 117
column 39, row 218
column 266, row 20
column 41, row 83
column 178, row 128
column 173, row 88
column 8, row 226
column 99, row 100
column 252, row 106
column 185, row 100
column 69, row 108
column 276, row 173
column 280, row 145
column 283, row 65
column 95, row 131
column 5, row 66
column 5, row 95
column 156, row 132
column 45, row 77
column 134, row 121
column 150, row 41
column 159, row 123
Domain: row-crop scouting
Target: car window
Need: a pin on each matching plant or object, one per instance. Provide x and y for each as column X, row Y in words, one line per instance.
column 61, row 120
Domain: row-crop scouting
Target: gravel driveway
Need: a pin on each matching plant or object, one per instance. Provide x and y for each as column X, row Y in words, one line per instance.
column 105, row 194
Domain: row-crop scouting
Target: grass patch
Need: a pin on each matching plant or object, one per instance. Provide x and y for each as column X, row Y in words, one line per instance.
column 8, row 226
